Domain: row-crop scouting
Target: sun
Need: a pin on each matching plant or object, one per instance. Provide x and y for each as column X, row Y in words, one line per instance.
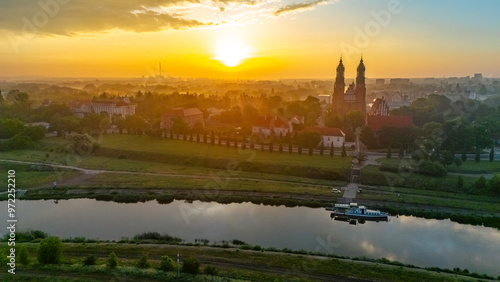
column 231, row 51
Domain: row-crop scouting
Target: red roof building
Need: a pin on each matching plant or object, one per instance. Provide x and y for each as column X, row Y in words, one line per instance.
column 375, row 123
column 267, row 125
column 191, row 116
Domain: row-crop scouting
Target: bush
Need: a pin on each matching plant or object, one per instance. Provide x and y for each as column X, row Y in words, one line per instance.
column 432, row 169
column 211, row 270
column 50, row 251
column 191, row 265
column 112, row 260
column 167, row 264
column 24, row 257
column 143, row 262
column 90, row 260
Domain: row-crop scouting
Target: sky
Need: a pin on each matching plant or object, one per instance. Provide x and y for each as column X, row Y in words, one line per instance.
column 249, row 39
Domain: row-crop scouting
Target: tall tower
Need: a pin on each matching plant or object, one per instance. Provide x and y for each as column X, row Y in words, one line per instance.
column 339, row 88
column 361, row 88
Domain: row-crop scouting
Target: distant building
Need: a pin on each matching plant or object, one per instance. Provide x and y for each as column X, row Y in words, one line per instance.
column 400, row 81
column 380, row 81
column 329, row 135
column 325, row 98
column 121, row 107
column 191, row 116
column 478, row 76
column 352, row 99
column 269, row 125
column 46, row 125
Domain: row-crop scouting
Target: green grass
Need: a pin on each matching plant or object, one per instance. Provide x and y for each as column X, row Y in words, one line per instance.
column 31, row 179
column 231, row 263
column 179, row 147
column 439, row 199
column 205, row 183
column 467, row 167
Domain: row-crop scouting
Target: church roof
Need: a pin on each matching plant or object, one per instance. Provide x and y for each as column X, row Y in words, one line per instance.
column 377, row 122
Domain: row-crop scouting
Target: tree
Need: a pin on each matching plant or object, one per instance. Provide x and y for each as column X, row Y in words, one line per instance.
column 464, row 156
column 355, row 119
column 90, row 260
column 281, row 148
column 290, row 147
column 212, row 137
column 211, row 270
column 10, row 127
column 480, row 183
column 112, row 260
column 361, row 156
column 35, row 133
column 477, row 157
column 332, row 150
column 309, row 139
column 401, row 153
column 179, row 126
column 460, row 182
column 24, row 257
column 50, row 251
column 167, row 264
column 492, row 154
column 310, row 151
column 494, row 184
column 271, row 147
column 343, row 153
column 321, row 148
column 143, row 262
column 300, row 149
column 191, row 265
column 388, row 155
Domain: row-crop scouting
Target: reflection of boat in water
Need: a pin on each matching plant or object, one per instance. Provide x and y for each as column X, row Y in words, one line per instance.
column 348, row 212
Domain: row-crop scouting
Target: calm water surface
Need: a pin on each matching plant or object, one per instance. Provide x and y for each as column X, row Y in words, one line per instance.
column 422, row 242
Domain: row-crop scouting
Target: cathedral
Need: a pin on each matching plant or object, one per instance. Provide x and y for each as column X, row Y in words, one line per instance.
column 352, row 99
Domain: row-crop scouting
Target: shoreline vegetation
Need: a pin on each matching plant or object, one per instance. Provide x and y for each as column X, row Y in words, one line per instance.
column 143, row 256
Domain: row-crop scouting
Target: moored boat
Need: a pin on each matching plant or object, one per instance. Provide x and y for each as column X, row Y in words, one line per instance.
column 353, row 211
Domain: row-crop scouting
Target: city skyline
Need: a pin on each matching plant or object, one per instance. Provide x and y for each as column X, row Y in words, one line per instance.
column 249, row 39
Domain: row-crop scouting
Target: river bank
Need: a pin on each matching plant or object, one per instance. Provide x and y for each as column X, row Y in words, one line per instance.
column 235, row 262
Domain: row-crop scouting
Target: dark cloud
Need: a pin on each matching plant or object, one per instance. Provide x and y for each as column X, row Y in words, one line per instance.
column 70, row 17
column 296, row 7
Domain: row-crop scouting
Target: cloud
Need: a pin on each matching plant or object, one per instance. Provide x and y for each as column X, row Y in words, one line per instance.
column 72, row 17
column 298, row 7
column 75, row 17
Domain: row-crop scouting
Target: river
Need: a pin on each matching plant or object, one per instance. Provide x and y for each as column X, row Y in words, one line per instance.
column 411, row 240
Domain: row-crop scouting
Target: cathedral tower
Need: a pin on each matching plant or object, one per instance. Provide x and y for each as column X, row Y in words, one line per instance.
column 361, row 88
column 339, row 87
column 352, row 99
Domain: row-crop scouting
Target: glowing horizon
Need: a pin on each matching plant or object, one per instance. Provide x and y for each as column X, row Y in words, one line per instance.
column 249, row 39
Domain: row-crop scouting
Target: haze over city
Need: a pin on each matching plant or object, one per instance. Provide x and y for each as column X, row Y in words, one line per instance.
column 248, row 39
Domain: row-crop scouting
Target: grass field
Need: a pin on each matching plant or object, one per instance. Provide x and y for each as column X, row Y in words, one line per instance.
column 179, row 147
column 467, row 167
column 431, row 197
column 231, row 263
